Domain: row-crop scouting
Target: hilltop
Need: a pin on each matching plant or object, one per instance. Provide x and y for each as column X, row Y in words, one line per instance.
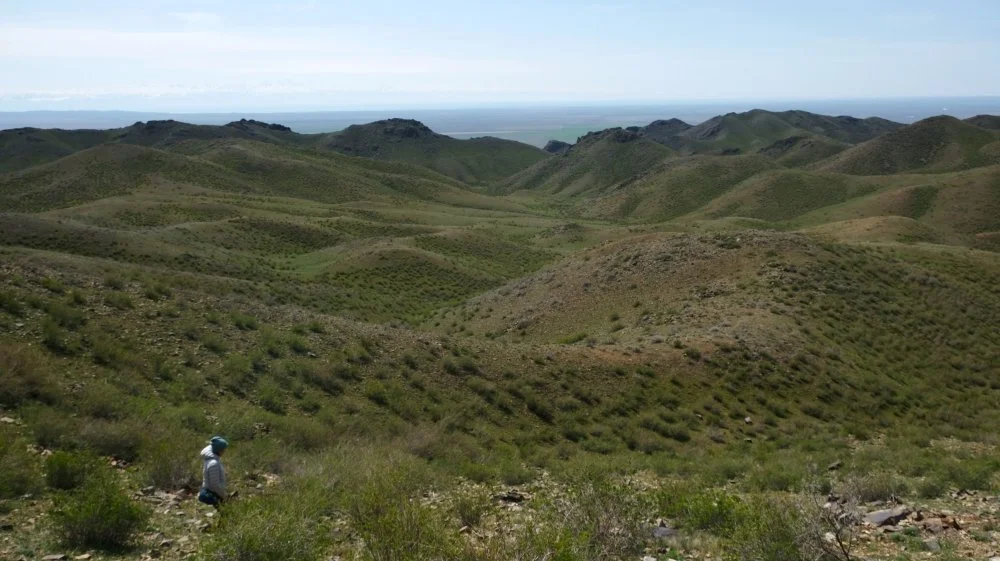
column 742, row 133
column 938, row 144
column 597, row 162
column 477, row 160
column 393, row 140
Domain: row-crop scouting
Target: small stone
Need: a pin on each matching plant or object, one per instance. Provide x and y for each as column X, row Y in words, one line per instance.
column 166, row 544
column 463, row 530
column 932, row 544
column 7, row 420
column 934, row 525
column 748, row 420
column 83, row 557
column 54, row 557
column 834, row 466
column 649, row 558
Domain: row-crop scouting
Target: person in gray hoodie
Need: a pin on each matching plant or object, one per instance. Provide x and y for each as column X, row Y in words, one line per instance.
column 213, row 477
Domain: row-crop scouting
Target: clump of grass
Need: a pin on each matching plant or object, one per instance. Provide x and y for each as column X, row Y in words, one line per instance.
column 119, row 300
column 20, row 468
column 100, row 515
column 244, row 322
column 268, row 529
column 25, row 377
column 68, row 470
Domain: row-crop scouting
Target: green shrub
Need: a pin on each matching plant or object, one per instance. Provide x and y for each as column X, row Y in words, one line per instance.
column 214, row 343
column 20, row 469
column 65, row 316
column 878, row 486
column 244, row 322
column 169, row 462
column 471, row 505
column 100, row 515
column 67, row 470
column 119, row 301
column 766, row 530
column 117, row 439
column 10, row 304
column 709, row 510
column 394, row 526
column 268, row 529
column 25, row 377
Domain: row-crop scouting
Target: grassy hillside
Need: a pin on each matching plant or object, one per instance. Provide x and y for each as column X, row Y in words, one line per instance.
column 743, row 133
column 798, row 151
column 411, row 369
column 675, row 187
column 597, row 162
column 934, row 145
column 985, row 121
column 476, row 161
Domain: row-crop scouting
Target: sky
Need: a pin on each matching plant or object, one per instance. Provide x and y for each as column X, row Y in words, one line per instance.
column 266, row 55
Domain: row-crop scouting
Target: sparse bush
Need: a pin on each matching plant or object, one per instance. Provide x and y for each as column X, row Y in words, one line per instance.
column 268, row 529
column 25, row 377
column 470, row 505
column 878, row 486
column 10, row 304
column 394, row 526
column 244, row 322
column 68, row 470
column 119, row 300
column 711, row 510
column 168, row 461
column 18, row 466
column 766, row 530
column 214, row 343
column 100, row 515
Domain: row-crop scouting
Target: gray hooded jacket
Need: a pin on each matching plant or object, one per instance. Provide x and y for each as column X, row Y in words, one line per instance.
column 213, row 477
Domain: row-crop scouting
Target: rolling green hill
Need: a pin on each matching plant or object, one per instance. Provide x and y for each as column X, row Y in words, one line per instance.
column 597, row 162
column 742, row 133
column 798, row 151
column 615, row 335
column 934, row 145
column 474, row 161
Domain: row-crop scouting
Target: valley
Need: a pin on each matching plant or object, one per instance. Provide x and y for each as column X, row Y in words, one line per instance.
column 415, row 339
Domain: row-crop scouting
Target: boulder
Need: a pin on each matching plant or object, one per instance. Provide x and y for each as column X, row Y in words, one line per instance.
column 889, row 517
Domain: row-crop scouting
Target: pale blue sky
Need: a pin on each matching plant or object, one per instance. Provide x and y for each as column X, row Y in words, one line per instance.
column 218, row 55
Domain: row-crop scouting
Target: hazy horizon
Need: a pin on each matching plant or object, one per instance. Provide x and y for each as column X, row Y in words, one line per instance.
column 269, row 56
column 531, row 123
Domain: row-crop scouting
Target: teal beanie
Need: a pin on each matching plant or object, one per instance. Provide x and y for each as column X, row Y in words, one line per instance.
column 219, row 444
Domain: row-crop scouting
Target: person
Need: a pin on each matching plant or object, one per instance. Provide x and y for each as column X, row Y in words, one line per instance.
column 213, row 482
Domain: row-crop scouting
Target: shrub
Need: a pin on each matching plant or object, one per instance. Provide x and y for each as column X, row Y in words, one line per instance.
column 298, row 344
column 65, row 316
column 169, row 462
column 214, row 343
column 710, row 510
column 471, row 505
column 244, row 322
column 766, row 530
column 10, row 304
column 878, row 486
column 100, row 515
column 119, row 301
column 20, row 468
column 24, row 377
column 392, row 525
column 268, row 529
column 66, row 470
